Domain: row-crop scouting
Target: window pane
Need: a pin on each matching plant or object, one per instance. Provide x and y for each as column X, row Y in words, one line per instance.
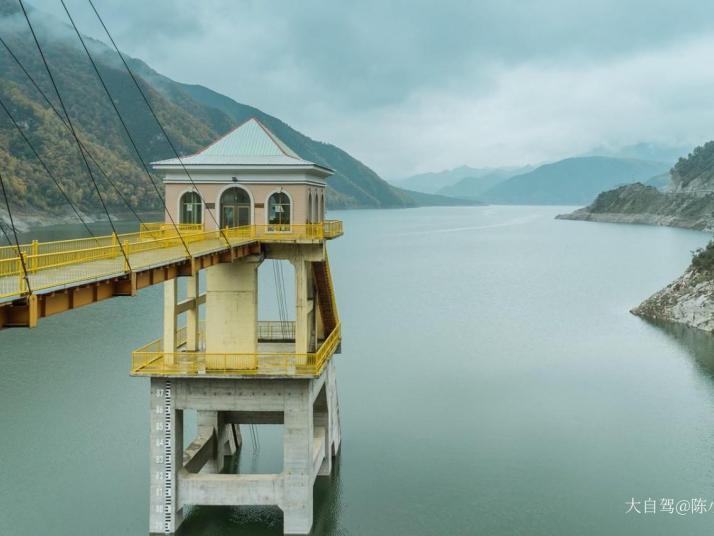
column 191, row 208
column 279, row 209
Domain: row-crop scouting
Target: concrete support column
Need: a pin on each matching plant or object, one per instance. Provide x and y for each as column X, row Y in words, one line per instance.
column 333, row 408
column 212, row 422
column 170, row 302
column 296, row 501
column 327, row 416
column 319, row 323
column 232, row 313
column 301, row 307
column 166, row 456
column 304, row 307
column 192, row 322
column 311, row 313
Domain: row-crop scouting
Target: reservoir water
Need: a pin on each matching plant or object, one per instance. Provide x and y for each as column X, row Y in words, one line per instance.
column 492, row 381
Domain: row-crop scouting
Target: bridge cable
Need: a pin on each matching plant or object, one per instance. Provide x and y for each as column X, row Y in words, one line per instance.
column 281, row 295
column 4, row 232
column 64, row 123
column 44, row 165
column 156, row 118
column 14, row 232
column 76, row 138
column 124, row 125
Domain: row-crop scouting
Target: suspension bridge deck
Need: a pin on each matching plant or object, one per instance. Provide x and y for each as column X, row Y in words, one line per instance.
column 51, row 277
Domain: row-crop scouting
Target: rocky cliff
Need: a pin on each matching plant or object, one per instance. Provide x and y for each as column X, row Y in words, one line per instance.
column 690, row 299
column 687, row 202
column 639, row 203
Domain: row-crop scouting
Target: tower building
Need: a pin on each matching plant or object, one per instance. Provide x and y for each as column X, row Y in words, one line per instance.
column 250, row 191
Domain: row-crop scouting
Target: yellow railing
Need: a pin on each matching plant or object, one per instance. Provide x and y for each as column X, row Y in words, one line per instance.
column 276, row 330
column 157, row 230
column 39, row 256
column 152, row 360
column 332, row 228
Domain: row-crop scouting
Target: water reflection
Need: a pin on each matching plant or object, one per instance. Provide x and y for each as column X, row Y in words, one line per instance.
column 267, row 520
column 697, row 343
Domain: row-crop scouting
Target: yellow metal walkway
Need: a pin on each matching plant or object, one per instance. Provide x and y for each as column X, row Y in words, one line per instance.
column 66, row 274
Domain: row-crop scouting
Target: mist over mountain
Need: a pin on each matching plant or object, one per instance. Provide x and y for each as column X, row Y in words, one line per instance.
column 657, row 152
column 476, row 185
column 433, row 181
column 193, row 116
column 572, row 181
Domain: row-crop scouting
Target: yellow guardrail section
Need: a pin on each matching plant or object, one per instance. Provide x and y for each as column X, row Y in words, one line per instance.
column 72, row 254
column 276, row 330
column 152, row 360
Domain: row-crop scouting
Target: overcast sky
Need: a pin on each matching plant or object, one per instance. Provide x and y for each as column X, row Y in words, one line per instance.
column 413, row 86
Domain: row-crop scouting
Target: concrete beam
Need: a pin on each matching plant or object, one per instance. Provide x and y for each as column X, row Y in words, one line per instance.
column 229, row 490
column 200, row 451
column 253, row 417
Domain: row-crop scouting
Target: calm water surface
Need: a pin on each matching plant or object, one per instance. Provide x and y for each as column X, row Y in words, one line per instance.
column 492, row 382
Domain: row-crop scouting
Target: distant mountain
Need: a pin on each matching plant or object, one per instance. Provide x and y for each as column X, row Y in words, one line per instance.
column 474, row 186
column 436, row 200
column 438, row 181
column 571, row 181
column 194, row 116
column 688, row 201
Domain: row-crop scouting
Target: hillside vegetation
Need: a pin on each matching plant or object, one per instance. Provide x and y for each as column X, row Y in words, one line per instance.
column 696, row 171
column 193, row 116
column 688, row 202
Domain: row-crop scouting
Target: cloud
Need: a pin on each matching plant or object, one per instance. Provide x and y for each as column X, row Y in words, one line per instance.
column 411, row 86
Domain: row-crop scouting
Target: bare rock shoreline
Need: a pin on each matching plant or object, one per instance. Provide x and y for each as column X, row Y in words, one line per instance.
column 698, row 223
column 688, row 300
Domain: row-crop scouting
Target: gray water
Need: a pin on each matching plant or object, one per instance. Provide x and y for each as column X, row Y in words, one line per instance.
column 492, row 382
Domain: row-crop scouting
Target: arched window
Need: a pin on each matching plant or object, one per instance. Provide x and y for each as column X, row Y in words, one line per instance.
column 313, row 209
column 322, row 206
column 191, row 208
column 235, row 208
column 279, row 209
column 310, row 212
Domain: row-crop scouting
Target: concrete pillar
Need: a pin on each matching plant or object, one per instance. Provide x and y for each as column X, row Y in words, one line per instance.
column 232, row 314
column 301, row 306
column 327, row 416
column 170, row 301
column 212, row 422
column 192, row 322
column 166, row 450
column 296, row 501
column 319, row 323
column 311, row 313
column 333, row 408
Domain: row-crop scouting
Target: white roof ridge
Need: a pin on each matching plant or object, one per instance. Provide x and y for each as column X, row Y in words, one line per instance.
column 251, row 143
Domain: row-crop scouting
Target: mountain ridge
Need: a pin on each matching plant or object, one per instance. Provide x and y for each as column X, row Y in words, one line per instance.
column 193, row 116
column 575, row 180
column 688, row 201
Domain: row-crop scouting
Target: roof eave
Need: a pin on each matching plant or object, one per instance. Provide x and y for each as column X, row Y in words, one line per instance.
column 170, row 166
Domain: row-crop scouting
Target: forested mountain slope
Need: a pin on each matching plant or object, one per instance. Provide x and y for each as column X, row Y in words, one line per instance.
column 687, row 202
column 193, row 116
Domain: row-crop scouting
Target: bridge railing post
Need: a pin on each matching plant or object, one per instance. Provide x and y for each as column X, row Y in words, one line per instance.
column 35, row 259
column 21, row 272
column 115, row 245
column 126, row 252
